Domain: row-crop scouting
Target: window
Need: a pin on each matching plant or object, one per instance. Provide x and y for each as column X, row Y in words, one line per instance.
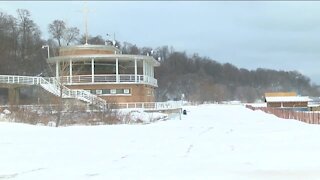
column 110, row 91
column 126, row 91
column 99, row 91
column 150, row 92
column 106, row 91
column 113, row 91
column 119, row 91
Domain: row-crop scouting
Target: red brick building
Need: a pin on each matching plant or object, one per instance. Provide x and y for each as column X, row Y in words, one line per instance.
column 103, row 70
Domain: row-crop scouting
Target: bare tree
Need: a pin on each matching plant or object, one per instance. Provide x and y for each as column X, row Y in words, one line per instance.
column 63, row 71
column 8, row 45
column 71, row 34
column 29, row 44
column 25, row 25
column 57, row 29
column 98, row 40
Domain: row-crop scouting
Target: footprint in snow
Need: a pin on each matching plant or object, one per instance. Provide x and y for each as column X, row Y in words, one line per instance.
column 92, row 174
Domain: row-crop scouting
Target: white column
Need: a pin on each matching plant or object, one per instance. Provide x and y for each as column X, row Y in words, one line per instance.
column 148, row 69
column 144, row 70
column 144, row 67
column 117, row 70
column 135, row 70
column 70, row 70
column 152, row 71
column 57, row 69
column 92, row 70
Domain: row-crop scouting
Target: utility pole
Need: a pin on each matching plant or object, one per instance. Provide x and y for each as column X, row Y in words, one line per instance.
column 85, row 15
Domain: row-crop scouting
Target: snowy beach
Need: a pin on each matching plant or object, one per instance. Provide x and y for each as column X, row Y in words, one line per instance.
column 210, row 142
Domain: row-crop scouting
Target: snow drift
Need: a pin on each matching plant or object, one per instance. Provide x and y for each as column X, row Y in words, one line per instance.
column 211, row 142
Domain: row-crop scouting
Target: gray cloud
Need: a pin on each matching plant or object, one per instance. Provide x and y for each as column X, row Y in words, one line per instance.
column 278, row 35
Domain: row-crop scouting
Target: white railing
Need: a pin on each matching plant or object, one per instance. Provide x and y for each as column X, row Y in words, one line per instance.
column 109, row 78
column 26, row 80
column 150, row 105
column 140, row 105
column 54, row 87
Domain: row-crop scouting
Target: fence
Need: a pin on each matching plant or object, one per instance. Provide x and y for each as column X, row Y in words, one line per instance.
column 307, row 117
column 169, row 105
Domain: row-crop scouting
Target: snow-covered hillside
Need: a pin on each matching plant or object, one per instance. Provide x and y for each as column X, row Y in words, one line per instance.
column 210, row 142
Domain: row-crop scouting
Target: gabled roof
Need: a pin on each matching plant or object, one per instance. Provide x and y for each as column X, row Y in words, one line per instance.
column 288, row 99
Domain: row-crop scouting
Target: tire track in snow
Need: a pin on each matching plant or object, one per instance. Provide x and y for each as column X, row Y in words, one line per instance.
column 191, row 145
column 14, row 175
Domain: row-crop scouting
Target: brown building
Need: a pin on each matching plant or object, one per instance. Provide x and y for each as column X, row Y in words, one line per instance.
column 104, row 71
column 286, row 100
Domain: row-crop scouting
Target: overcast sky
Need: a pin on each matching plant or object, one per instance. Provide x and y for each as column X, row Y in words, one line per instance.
column 254, row 34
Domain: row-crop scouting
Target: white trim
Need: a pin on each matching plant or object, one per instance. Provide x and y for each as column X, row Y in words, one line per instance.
column 110, row 79
column 99, row 57
column 288, row 99
column 114, row 94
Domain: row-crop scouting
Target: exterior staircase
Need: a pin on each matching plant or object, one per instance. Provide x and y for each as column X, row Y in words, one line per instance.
column 53, row 86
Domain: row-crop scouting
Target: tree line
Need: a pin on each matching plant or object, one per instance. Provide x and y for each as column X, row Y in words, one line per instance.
column 191, row 77
column 202, row 79
column 20, row 44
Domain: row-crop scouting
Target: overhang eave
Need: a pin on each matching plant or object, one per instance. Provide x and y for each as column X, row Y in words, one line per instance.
column 104, row 57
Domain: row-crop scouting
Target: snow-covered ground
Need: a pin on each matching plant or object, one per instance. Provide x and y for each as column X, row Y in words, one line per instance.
column 210, row 142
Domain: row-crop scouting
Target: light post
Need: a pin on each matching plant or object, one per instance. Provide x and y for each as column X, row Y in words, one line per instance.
column 46, row 46
column 114, row 39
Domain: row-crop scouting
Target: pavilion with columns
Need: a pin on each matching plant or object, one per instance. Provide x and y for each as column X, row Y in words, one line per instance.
column 104, row 71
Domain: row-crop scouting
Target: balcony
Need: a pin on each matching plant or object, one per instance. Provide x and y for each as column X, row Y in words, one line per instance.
column 109, row 79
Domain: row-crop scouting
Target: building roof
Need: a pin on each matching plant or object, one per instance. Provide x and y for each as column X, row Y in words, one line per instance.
column 278, row 94
column 125, row 57
column 98, row 53
column 288, row 99
column 90, row 46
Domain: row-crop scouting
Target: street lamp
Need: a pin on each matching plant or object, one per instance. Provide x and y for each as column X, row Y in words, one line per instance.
column 114, row 39
column 46, row 46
